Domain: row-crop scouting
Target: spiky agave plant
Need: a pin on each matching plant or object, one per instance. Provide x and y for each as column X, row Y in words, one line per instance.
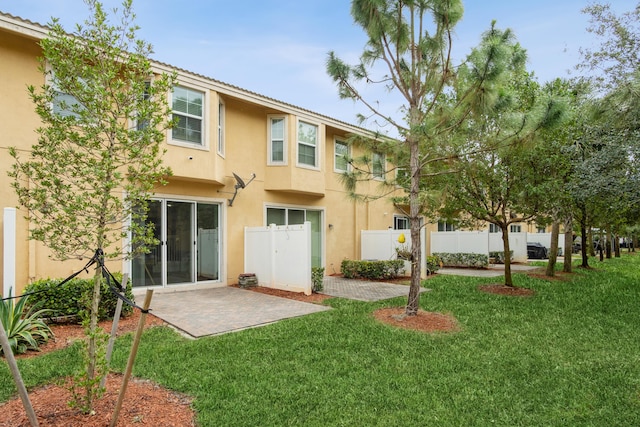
column 24, row 325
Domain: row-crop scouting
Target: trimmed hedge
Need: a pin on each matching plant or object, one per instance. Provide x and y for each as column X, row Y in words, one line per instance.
column 72, row 297
column 433, row 264
column 463, row 260
column 499, row 256
column 371, row 269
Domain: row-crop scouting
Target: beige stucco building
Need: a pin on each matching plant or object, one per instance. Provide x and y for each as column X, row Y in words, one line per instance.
column 294, row 153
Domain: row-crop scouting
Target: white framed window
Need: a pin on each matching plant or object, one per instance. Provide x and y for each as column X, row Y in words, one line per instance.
column 401, row 222
column 64, row 104
column 494, row 229
column 307, row 144
column 340, row 156
column 446, row 226
column 277, row 143
column 403, row 178
column 515, row 228
column 377, row 165
column 188, row 112
column 141, row 123
column 541, row 229
column 221, row 119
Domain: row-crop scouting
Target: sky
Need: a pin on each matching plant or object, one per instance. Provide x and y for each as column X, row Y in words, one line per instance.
column 278, row 48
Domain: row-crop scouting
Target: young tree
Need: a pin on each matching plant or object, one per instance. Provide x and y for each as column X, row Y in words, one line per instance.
column 409, row 52
column 504, row 178
column 98, row 157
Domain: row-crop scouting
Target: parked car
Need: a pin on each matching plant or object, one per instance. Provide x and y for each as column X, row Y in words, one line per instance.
column 536, row 250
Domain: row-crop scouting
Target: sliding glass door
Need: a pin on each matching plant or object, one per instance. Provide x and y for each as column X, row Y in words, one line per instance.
column 189, row 244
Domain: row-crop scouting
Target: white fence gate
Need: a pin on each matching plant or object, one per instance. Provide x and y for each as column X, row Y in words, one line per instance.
column 280, row 256
column 382, row 244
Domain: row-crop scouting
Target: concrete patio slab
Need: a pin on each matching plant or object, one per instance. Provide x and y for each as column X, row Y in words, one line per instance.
column 216, row 311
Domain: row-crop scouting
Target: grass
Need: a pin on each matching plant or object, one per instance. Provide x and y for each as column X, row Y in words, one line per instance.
column 567, row 356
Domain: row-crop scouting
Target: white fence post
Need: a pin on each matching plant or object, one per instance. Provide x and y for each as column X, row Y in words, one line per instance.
column 9, row 252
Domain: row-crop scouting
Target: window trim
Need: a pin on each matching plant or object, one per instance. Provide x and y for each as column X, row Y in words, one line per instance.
column 337, row 142
column 446, row 226
column 514, row 227
column 382, row 162
column 50, row 81
column 401, row 218
column 270, row 161
column 222, row 117
column 204, row 130
column 316, row 166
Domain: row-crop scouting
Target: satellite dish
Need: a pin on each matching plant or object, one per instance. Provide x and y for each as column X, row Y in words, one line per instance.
column 240, row 182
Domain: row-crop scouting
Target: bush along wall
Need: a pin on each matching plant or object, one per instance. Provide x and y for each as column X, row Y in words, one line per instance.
column 371, row 269
column 433, row 264
column 463, row 260
column 72, row 297
column 498, row 256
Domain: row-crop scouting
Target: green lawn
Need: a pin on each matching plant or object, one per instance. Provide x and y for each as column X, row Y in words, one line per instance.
column 569, row 356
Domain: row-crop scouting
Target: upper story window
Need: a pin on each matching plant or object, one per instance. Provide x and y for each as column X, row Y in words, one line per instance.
column 403, row 178
column 188, row 113
column 341, row 156
column 277, row 140
column 307, row 144
column 494, row 228
column 377, row 165
column 64, row 104
column 142, row 122
column 541, row 229
column 515, row 228
column 221, row 118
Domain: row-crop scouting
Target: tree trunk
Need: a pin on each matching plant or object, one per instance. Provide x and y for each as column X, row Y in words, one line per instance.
column 568, row 245
column 413, row 301
column 93, row 345
column 508, row 281
column 583, row 232
column 553, row 253
column 616, row 245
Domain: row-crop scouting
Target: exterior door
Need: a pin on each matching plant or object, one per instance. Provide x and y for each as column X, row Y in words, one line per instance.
column 189, row 244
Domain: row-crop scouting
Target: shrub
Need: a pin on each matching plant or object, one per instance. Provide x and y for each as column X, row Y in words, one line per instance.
column 499, row 256
column 72, row 297
column 433, row 264
column 25, row 330
column 463, row 259
column 317, row 279
column 371, row 269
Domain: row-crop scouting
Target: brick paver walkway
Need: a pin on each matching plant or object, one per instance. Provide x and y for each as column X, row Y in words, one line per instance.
column 363, row 291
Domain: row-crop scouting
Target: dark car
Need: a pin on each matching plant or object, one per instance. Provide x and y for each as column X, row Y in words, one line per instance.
column 536, row 250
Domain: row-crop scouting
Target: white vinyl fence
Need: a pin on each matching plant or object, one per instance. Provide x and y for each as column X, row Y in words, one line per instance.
column 382, row 244
column 280, row 256
column 9, row 252
column 478, row 242
column 545, row 240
